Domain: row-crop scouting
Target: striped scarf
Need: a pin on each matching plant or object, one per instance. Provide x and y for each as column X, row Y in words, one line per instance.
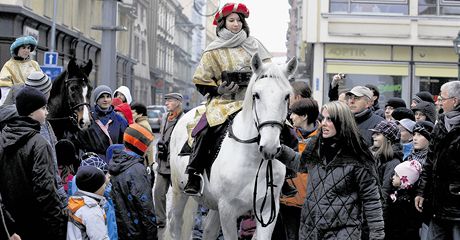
column 418, row 155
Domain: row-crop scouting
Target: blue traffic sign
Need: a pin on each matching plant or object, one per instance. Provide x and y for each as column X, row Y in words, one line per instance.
column 50, row 58
column 52, row 71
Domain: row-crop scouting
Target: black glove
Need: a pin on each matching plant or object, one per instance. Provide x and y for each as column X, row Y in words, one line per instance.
column 162, row 151
column 225, row 89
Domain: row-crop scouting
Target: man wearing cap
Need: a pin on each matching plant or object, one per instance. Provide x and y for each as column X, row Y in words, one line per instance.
column 173, row 102
column 27, row 173
column 16, row 70
column 440, row 178
column 360, row 102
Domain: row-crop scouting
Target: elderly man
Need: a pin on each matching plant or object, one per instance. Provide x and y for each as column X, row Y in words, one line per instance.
column 440, row 178
column 173, row 102
column 360, row 102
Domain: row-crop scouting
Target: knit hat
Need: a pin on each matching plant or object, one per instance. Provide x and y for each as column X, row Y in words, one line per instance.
column 395, row 102
column 229, row 8
column 27, row 40
column 408, row 172
column 428, row 109
column 425, row 128
column 28, row 100
column 137, row 138
column 176, row 96
column 89, row 178
column 407, row 124
column 423, row 96
column 40, row 81
column 360, row 91
column 389, row 130
column 401, row 113
column 92, row 159
column 100, row 90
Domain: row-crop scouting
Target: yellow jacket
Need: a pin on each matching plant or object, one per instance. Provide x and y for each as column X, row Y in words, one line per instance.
column 15, row 72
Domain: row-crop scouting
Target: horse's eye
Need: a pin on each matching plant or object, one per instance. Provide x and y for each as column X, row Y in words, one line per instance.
column 255, row 96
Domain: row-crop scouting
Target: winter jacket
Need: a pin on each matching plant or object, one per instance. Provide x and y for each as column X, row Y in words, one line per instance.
column 94, row 139
column 367, row 120
column 339, row 192
column 86, row 207
column 132, row 196
column 27, row 181
column 166, row 130
column 403, row 220
column 440, row 177
column 7, row 112
column 407, row 149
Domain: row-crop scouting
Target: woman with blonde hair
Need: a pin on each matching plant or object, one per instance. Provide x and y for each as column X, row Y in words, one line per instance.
column 342, row 188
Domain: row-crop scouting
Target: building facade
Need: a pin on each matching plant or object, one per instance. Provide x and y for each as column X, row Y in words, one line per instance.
column 74, row 37
column 400, row 46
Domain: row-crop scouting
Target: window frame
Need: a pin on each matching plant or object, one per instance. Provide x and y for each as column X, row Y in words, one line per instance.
column 377, row 2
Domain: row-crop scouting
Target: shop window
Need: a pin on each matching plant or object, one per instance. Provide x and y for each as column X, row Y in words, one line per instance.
column 397, row 7
column 433, row 84
column 439, row 7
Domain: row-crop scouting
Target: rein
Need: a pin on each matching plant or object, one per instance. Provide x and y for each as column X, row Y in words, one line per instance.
column 269, row 187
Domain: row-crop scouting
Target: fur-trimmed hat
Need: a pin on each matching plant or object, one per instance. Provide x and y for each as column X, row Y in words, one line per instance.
column 395, row 102
column 26, row 40
column 230, row 8
column 389, row 130
column 408, row 172
column 28, row 100
column 89, row 178
column 137, row 138
column 425, row 128
column 40, row 81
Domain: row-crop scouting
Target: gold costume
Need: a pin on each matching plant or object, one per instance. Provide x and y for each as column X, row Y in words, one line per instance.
column 209, row 72
column 15, row 72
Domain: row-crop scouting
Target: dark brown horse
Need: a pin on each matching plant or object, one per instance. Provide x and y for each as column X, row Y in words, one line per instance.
column 69, row 102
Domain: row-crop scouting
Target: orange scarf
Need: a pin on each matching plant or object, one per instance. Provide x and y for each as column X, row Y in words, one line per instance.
column 174, row 115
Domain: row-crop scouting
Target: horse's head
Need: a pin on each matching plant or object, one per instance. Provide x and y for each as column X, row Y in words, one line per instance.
column 267, row 98
column 71, row 93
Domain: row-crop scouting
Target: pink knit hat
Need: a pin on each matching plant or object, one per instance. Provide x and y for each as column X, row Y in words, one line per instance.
column 408, row 172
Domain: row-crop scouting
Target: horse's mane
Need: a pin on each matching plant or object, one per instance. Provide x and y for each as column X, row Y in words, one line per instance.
column 276, row 75
column 57, row 84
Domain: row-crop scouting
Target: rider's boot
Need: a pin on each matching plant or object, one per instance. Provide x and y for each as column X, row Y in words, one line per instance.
column 193, row 186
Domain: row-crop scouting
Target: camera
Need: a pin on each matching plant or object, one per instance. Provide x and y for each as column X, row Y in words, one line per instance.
column 238, row 77
column 162, row 150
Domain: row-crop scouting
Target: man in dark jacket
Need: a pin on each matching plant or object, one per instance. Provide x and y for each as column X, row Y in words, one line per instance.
column 163, row 180
column 131, row 186
column 440, row 178
column 27, row 181
column 360, row 102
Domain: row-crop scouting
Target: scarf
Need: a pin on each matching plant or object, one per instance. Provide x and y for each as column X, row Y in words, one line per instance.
column 173, row 115
column 452, row 119
column 227, row 39
column 418, row 155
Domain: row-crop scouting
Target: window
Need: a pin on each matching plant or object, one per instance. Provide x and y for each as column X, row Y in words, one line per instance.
column 397, row 7
column 439, row 7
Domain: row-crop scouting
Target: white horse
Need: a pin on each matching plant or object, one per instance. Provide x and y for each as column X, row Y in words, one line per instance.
column 231, row 186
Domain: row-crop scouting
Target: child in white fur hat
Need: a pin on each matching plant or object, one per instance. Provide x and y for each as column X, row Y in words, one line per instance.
column 404, row 221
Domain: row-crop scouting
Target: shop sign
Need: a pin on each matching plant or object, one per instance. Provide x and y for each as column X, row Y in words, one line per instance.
column 358, row 52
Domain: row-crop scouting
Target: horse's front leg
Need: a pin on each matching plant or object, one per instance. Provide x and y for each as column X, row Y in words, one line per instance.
column 228, row 216
column 211, row 225
column 179, row 200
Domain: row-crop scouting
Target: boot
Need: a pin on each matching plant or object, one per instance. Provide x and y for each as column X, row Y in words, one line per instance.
column 287, row 190
column 193, row 186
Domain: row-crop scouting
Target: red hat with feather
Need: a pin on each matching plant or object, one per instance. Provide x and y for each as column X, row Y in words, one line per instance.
column 231, row 8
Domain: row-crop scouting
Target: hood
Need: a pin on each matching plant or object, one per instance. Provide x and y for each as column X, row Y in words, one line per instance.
column 125, row 91
column 7, row 112
column 429, row 109
column 18, row 131
column 122, row 160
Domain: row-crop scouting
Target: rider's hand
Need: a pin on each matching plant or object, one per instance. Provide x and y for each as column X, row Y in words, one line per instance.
column 419, row 203
column 225, row 89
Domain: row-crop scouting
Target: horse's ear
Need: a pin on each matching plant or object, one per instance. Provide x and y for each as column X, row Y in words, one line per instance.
column 291, row 67
column 256, row 64
column 88, row 67
column 72, row 66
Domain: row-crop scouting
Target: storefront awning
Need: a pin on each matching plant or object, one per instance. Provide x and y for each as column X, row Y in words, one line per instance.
column 436, row 71
column 367, row 68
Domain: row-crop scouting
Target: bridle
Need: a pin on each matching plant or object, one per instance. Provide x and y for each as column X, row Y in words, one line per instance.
column 73, row 115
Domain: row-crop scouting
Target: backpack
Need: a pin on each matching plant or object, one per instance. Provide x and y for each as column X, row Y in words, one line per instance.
column 74, row 204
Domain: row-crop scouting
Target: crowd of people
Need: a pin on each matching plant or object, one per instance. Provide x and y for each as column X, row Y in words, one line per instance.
column 354, row 170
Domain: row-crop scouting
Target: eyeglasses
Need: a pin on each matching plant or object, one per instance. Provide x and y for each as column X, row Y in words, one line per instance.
column 441, row 99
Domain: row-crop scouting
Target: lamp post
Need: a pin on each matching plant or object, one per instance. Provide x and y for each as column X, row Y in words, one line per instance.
column 457, row 50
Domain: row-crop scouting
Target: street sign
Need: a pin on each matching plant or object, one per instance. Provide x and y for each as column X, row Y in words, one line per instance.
column 50, row 58
column 52, row 71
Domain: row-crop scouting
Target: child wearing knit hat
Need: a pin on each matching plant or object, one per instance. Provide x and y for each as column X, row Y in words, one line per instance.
column 131, row 186
column 403, row 220
column 86, row 213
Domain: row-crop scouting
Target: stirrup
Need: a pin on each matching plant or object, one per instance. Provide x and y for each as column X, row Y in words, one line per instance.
column 200, row 191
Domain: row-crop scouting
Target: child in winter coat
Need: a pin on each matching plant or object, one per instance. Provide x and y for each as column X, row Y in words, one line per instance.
column 86, row 214
column 404, row 221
